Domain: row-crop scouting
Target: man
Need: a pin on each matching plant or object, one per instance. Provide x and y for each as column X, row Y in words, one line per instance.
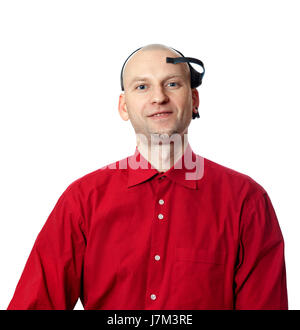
column 163, row 228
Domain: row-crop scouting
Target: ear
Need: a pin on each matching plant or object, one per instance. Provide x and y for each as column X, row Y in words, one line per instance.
column 122, row 107
column 195, row 98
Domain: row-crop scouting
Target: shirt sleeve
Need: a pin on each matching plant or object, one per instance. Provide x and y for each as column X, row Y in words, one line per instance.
column 51, row 278
column 260, row 274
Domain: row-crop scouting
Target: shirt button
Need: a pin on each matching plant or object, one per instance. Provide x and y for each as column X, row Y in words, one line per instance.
column 157, row 257
column 160, row 216
column 161, row 201
column 153, row 296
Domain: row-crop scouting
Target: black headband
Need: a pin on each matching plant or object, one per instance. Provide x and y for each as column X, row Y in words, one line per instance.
column 196, row 77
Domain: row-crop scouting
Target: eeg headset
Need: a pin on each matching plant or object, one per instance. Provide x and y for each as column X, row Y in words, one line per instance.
column 196, row 77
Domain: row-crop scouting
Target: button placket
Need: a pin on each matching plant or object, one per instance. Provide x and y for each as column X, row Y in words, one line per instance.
column 160, row 202
column 160, row 216
column 158, row 235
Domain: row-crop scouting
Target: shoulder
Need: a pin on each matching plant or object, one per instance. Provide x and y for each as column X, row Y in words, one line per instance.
column 241, row 192
column 99, row 179
column 231, row 180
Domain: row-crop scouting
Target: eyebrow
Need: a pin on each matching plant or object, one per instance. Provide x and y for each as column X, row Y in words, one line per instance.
column 143, row 78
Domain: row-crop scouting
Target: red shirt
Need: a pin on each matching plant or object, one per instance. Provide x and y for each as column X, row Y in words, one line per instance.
column 134, row 238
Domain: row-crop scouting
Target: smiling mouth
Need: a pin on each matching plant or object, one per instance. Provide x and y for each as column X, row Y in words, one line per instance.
column 161, row 115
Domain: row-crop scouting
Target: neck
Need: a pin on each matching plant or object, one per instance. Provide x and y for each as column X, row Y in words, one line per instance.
column 162, row 152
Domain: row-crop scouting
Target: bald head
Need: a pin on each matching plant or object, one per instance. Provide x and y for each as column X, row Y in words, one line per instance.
column 145, row 59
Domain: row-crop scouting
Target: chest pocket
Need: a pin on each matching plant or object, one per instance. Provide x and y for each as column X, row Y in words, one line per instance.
column 197, row 255
column 198, row 278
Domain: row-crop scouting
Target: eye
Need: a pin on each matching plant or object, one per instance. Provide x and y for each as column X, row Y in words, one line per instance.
column 173, row 84
column 143, row 86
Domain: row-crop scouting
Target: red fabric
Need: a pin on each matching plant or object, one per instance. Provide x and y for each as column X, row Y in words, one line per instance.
column 219, row 243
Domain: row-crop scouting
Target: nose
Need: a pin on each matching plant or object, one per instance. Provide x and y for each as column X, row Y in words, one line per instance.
column 159, row 95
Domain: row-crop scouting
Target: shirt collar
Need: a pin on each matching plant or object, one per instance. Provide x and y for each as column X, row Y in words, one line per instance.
column 187, row 171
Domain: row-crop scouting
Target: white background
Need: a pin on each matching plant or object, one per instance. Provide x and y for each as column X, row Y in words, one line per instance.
column 60, row 63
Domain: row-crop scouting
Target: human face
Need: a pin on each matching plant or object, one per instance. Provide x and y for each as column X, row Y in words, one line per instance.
column 150, row 86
